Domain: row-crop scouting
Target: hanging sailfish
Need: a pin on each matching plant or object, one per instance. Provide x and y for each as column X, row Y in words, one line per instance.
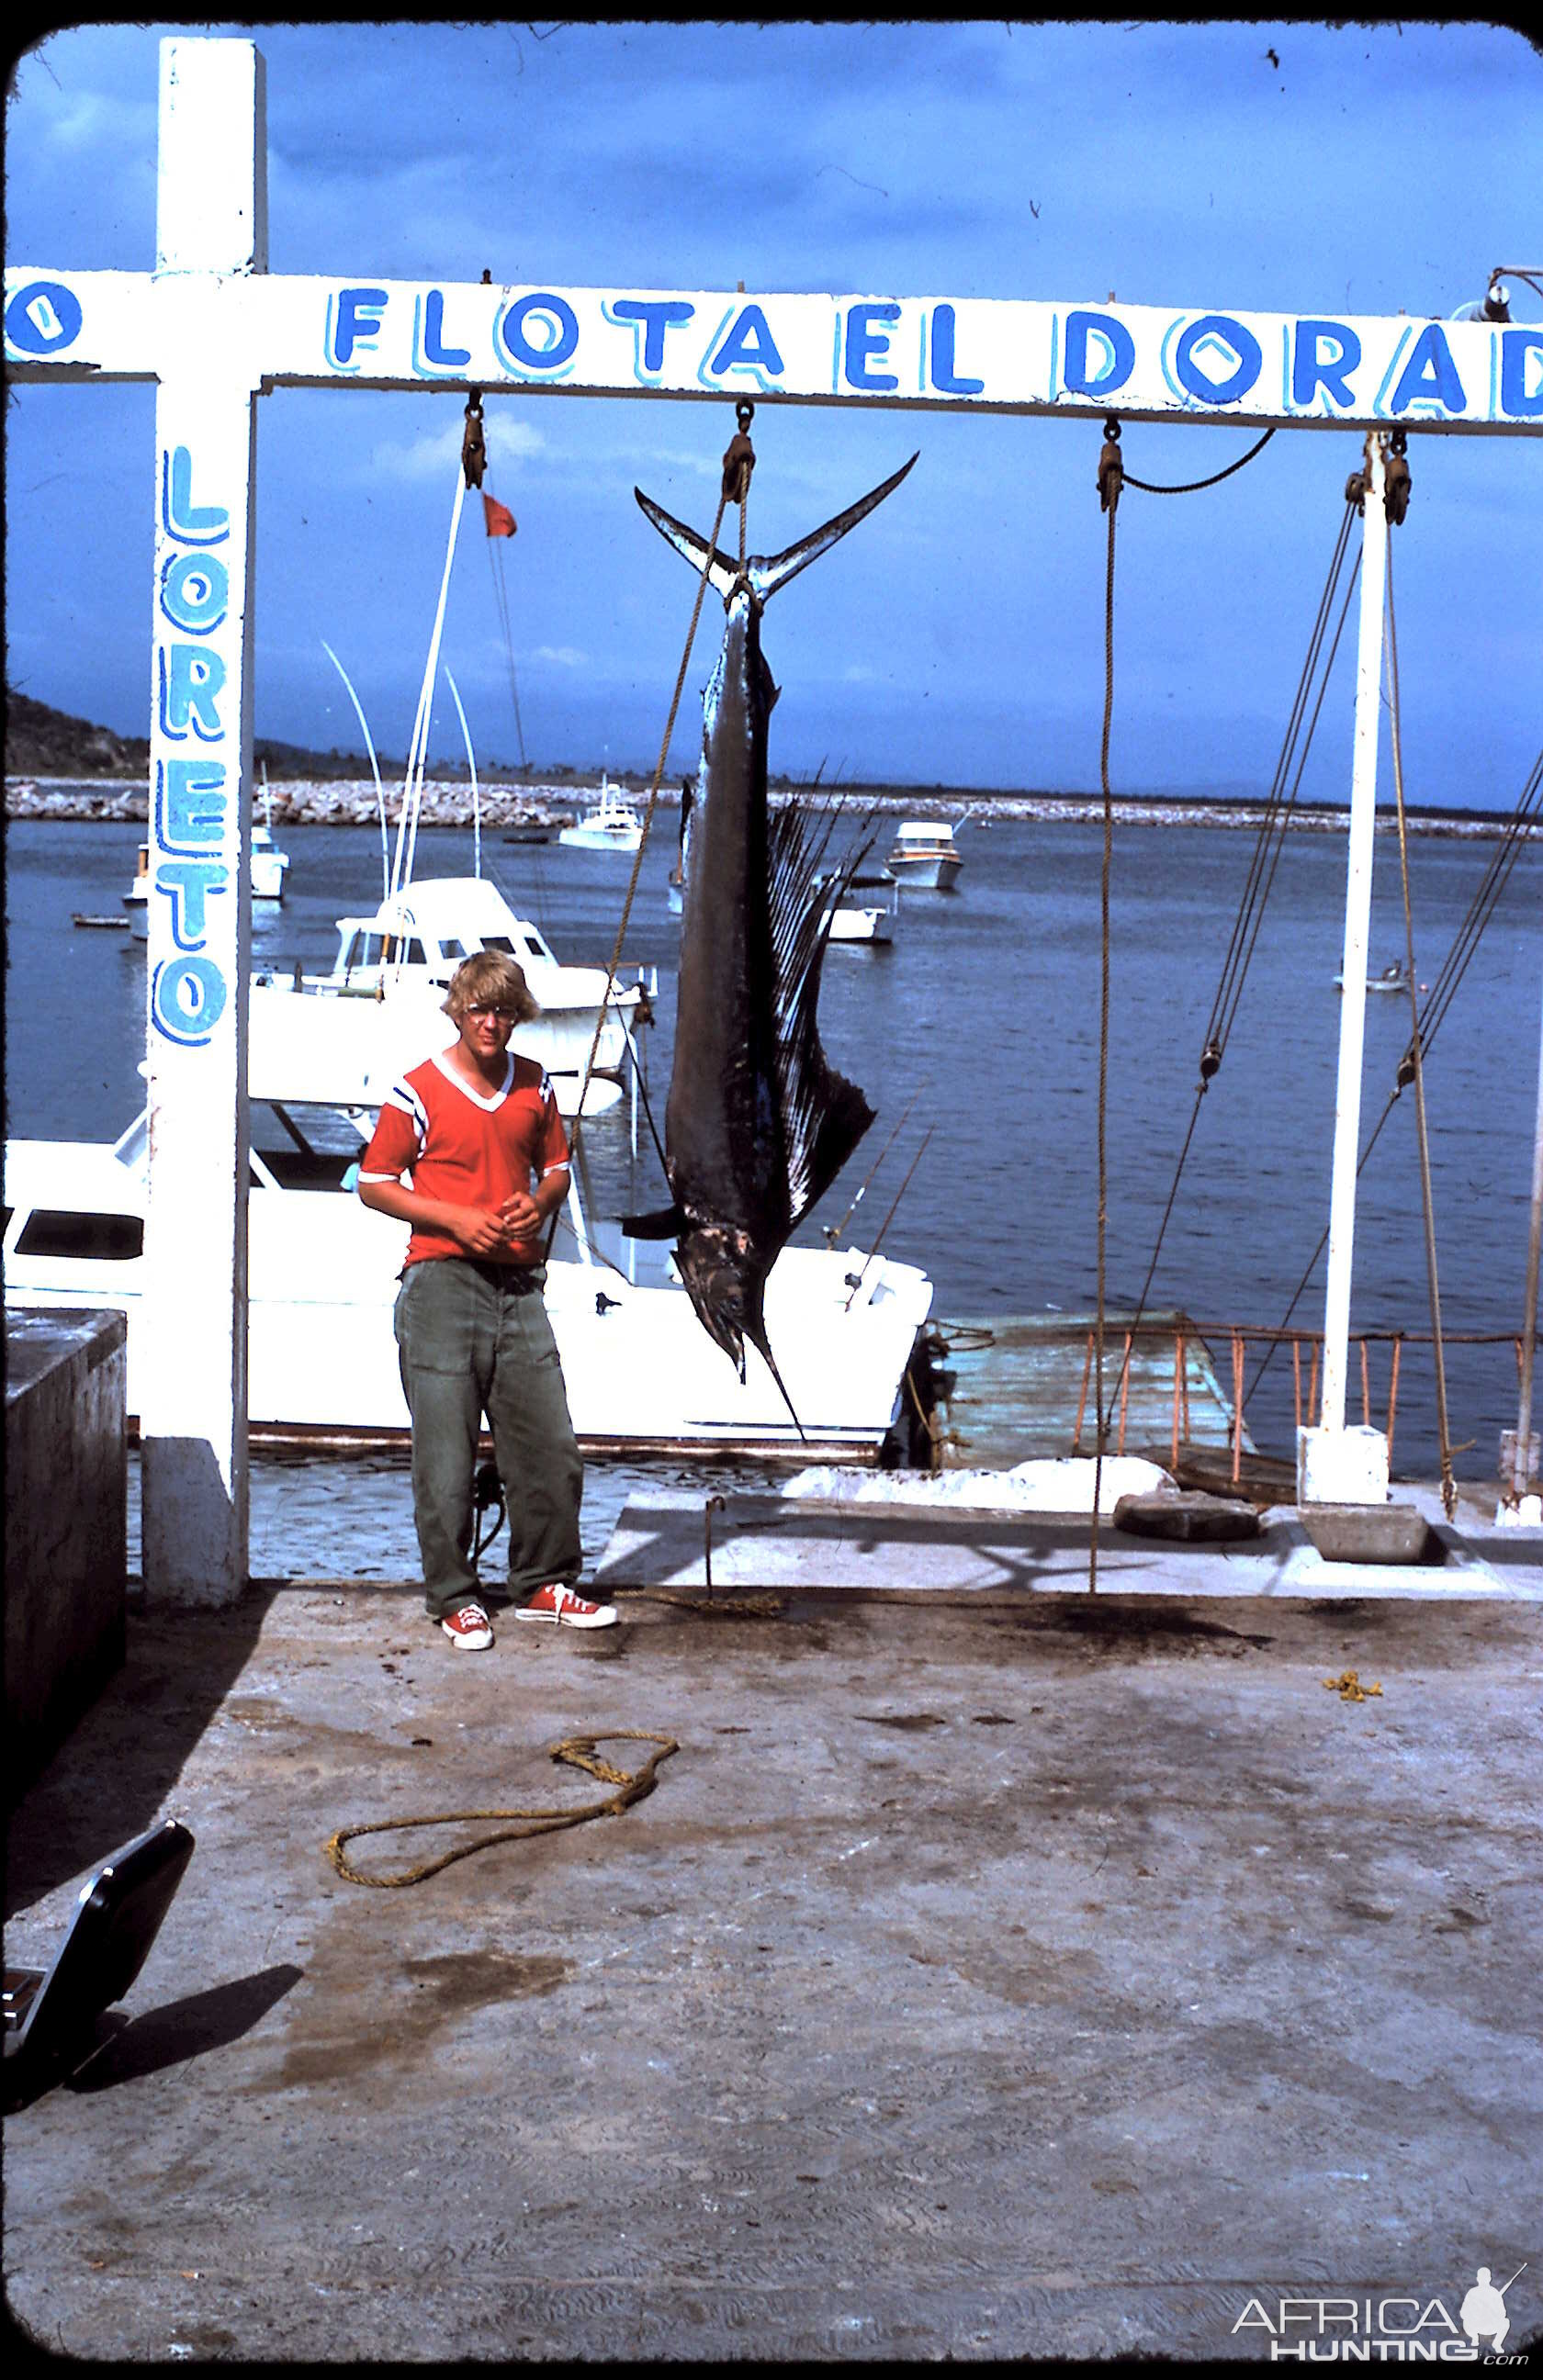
column 758, row 1125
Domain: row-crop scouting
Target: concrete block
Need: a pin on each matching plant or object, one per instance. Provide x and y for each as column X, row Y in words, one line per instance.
column 1372, row 1532
column 67, row 1508
column 1342, row 1467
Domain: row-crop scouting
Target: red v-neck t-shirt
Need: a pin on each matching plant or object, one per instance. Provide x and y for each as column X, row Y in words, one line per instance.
column 467, row 1147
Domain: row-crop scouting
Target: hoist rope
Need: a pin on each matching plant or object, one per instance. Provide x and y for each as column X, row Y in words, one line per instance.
column 725, row 492
column 501, row 597
column 574, row 1752
column 1190, row 487
column 1257, row 887
column 412, row 787
column 1521, row 823
column 1449, row 1486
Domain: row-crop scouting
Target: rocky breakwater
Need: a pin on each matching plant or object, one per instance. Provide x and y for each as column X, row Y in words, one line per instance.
column 305, row 802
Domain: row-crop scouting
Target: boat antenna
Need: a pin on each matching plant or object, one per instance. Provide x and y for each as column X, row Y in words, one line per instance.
column 374, row 767
column 412, row 787
column 471, row 763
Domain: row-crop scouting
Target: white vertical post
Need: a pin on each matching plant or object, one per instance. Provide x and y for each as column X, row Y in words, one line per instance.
column 1334, row 1464
column 210, row 222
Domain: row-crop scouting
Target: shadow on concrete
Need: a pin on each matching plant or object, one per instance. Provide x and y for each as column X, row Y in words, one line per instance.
column 111, row 1776
column 182, row 2029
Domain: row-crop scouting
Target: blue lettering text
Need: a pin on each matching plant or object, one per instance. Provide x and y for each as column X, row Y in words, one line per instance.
column 192, row 678
column 194, row 588
column 864, row 340
column 749, row 347
column 185, row 883
column 544, row 312
column 653, row 316
column 1521, row 362
column 1312, row 368
column 189, row 804
column 1430, row 377
column 1240, row 347
column 188, row 998
column 434, row 351
column 1115, row 350
column 943, row 376
column 358, row 320
column 193, row 524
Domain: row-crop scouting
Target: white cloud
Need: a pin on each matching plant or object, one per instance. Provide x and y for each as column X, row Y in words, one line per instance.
column 435, row 454
column 565, row 656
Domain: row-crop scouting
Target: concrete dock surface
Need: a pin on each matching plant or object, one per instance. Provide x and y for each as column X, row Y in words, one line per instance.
column 993, row 1972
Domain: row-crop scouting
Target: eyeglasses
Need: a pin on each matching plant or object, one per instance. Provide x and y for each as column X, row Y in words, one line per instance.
column 504, row 1016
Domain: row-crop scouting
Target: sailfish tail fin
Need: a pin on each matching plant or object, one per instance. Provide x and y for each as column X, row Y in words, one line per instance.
column 766, row 573
column 723, row 570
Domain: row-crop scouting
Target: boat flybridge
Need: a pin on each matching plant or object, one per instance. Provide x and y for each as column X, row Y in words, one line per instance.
column 380, row 1007
column 642, row 1376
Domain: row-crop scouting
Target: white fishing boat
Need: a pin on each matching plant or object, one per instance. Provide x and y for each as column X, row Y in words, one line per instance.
column 925, row 855
column 269, row 867
column 642, row 1376
column 1393, row 978
column 871, row 923
column 378, row 1007
column 612, row 825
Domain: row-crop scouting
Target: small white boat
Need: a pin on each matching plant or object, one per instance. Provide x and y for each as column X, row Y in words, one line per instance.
column 872, row 922
column 612, row 825
column 925, row 855
column 1393, row 978
column 380, row 1006
column 269, row 867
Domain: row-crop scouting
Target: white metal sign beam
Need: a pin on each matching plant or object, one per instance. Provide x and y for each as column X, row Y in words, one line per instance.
column 213, row 330
column 992, row 355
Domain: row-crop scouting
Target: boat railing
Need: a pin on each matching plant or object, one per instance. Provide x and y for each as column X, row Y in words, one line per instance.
column 1192, row 1339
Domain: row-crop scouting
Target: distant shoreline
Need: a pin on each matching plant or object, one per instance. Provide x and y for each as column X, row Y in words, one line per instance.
column 302, row 802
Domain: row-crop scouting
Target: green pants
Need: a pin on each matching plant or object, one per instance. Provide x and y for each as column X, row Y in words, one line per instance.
column 475, row 1338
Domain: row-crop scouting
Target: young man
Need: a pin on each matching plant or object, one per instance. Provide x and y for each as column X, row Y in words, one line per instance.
column 479, row 1131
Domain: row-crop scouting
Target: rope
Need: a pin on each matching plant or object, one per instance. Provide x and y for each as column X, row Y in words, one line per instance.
column 725, row 495
column 1466, row 941
column 1189, row 487
column 500, row 596
column 575, row 1751
column 1448, row 1487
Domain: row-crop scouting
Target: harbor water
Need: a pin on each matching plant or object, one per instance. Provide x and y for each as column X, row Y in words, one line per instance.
column 976, row 1036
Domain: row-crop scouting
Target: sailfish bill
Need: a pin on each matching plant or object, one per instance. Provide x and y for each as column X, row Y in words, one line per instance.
column 758, row 1124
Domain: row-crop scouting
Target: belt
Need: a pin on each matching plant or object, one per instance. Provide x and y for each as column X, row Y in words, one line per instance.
column 519, row 1280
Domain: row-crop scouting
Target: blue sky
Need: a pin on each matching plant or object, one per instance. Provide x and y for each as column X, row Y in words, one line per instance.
column 958, row 636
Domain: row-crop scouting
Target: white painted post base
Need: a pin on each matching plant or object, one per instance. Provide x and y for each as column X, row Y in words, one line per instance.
column 1342, row 1467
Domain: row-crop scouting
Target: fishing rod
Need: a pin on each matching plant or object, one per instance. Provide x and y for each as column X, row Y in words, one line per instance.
column 834, row 1231
column 889, row 1217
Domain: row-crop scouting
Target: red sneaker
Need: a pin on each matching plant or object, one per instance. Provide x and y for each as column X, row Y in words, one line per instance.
column 467, row 1629
column 568, row 1609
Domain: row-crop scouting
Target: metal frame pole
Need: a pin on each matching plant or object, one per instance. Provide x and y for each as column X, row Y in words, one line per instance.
column 1357, row 926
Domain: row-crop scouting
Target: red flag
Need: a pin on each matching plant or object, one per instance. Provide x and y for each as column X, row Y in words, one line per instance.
column 500, row 519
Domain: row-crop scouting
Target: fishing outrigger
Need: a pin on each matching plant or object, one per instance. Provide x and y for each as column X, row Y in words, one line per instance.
column 758, row 1124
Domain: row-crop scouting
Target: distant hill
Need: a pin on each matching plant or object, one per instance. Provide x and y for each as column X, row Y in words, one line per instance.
column 42, row 742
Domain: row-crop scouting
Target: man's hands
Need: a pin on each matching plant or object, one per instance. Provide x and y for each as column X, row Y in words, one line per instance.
column 485, row 1231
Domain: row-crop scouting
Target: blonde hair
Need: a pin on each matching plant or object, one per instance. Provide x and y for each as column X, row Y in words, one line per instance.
column 493, row 977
